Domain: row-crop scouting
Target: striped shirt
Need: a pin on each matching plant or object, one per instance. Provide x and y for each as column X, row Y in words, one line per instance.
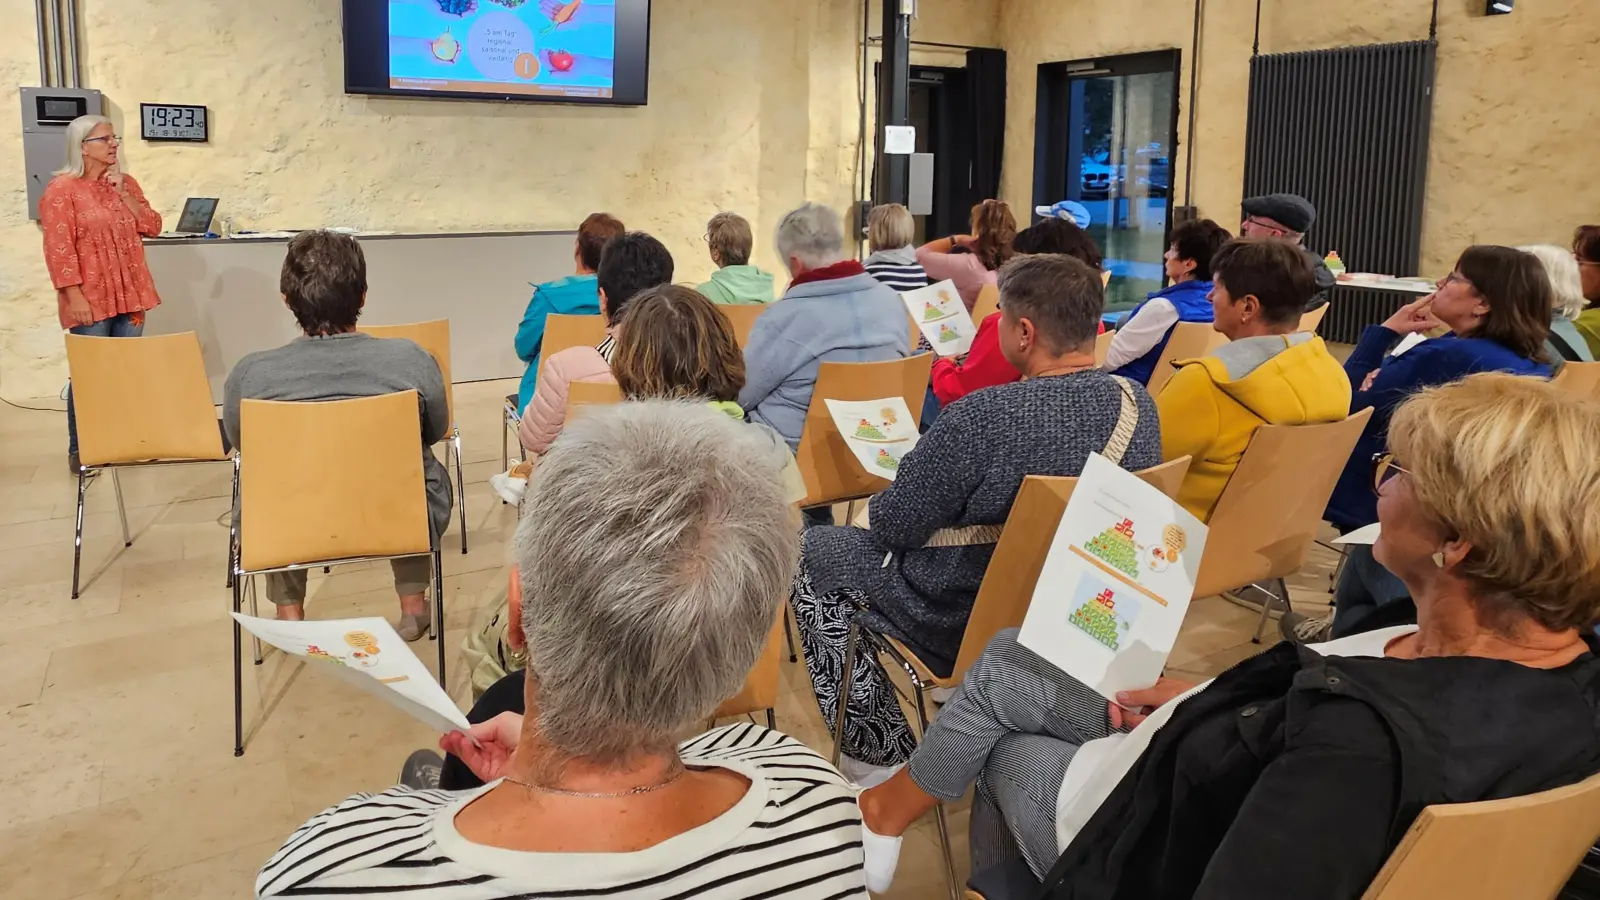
column 901, row 278
column 607, row 348
column 795, row 835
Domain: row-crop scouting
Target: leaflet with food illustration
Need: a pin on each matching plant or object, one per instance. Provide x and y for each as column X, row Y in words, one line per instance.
column 1116, row 583
column 878, row 432
column 938, row 311
column 368, row 654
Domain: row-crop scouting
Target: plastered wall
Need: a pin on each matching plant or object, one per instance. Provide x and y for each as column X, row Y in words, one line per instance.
column 1516, row 118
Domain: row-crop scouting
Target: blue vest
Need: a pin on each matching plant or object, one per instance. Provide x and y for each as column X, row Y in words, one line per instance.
column 1190, row 298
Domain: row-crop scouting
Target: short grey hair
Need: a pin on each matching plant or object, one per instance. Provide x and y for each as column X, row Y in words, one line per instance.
column 78, row 131
column 890, row 227
column 656, row 547
column 1061, row 295
column 1566, row 282
column 813, row 234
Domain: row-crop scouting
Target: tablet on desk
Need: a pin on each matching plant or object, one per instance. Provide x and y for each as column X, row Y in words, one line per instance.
column 197, row 215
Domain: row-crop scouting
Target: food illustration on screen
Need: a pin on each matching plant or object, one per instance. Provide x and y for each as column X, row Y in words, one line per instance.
column 503, row 47
column 446, row 48
column 1103, row 612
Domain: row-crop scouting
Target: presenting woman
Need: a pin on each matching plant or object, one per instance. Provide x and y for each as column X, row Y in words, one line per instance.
column 93, row 218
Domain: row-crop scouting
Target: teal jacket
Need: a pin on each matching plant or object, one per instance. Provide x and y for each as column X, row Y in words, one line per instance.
column 575, row 295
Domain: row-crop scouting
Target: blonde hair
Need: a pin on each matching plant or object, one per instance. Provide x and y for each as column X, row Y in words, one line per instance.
column 1508, row 464
column 78, row 131
column 1565, row 279
column 890, row 227
column 730, row 238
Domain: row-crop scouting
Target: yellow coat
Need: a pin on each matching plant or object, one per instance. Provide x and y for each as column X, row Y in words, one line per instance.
column 1213, row 405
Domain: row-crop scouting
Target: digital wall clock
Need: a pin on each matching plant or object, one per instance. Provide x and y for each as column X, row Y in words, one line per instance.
column 174, row 122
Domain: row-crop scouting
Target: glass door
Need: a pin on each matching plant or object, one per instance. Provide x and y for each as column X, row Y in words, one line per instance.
column 1107, row 134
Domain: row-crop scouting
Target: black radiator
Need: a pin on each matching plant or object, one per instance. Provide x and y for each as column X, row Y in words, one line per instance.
column 1348, row 130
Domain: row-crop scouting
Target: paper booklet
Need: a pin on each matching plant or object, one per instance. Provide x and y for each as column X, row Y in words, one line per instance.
column 938, row 311
column 1116, row 583
column 1367, row 536
column 878, row 432
column 368, row 654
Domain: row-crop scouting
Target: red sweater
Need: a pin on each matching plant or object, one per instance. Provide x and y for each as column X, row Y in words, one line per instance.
column 985, row 366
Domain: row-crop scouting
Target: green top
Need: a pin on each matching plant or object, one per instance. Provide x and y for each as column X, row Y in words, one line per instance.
column 1588, row 325
column 738, row 286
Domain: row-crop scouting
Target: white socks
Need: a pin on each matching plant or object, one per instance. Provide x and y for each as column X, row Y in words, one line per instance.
column 882, row 856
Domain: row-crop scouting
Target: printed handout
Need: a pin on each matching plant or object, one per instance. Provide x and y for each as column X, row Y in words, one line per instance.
column 938, row 311
column 878, row 432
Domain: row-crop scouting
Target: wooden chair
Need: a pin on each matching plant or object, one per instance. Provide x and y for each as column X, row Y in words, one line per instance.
column 1102, row 347
column 560, row 332
column 760, row 691
column 987, row 304
column 590, row 393
column 1312, row 319
column 1269, row 513
column 1002, row 601
column 434, row 337
column 831, row 472
column 139, row 402
column 1580, row 378
column 743, row 319
column 368, row 502
column 1189, row 340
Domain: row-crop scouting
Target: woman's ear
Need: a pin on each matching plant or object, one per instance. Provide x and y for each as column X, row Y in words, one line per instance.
column 603, row 310
column 1452, row 554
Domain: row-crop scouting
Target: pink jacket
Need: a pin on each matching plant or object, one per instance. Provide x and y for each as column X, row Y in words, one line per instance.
column 965, row 269
column 547, row 411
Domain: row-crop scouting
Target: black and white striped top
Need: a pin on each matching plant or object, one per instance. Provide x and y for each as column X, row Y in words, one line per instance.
column 796, row 835
column 901, row 278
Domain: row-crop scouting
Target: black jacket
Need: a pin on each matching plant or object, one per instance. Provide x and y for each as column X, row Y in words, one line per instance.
column 1324, row 277
column 1295, row 775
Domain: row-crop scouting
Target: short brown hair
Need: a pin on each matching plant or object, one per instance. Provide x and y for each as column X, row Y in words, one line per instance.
column 1060, row 295
column 730, row 238
column 1519, row 295
column 593, row 235
column 1586, row 243
column 324, row 281
column 673, row 343
column 1507, row 463
column 1276, row 272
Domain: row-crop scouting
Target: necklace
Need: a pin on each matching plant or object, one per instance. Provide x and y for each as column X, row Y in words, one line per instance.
column 631, row 792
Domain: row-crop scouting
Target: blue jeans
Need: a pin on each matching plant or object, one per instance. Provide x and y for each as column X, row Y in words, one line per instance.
column 1364, row 587
column 117, row 326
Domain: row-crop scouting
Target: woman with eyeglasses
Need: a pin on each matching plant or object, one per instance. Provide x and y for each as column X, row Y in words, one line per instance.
column 1586, row 250
column 1496, row 304
column 94, row 219
column 1297, row 772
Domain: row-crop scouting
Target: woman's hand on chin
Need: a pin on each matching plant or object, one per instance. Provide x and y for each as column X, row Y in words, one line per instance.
column 496, row 746
column 1414, row 317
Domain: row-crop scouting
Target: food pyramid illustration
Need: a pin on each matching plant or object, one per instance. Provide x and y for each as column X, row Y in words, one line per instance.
column 886, row 461
column 1115, row 548
column 946, row 333
column 868, row 431
column 931, row 313
column 1098, row 619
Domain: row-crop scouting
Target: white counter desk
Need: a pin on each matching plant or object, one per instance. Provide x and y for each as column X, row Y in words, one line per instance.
column 227, row 292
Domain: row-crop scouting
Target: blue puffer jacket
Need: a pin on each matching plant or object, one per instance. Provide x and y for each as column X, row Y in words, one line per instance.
column 1192, row 301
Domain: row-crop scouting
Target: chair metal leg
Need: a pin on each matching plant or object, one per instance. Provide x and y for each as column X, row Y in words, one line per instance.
column 1266, row 608
column 438, row 611
column 505, row 441
column 850, row 650
column 254, row 611
column 238, row 677
column 77, row 541
column 788, row 631
column 772, row 719
column 461, row 488
column 122, row 508
column 233, row 523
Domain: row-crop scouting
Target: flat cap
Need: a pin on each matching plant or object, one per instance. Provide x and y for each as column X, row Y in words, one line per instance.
column 1292, row 211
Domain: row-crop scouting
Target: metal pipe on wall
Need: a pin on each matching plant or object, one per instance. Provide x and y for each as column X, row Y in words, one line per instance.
column 73, row 77
column 44, row 37
column 55, row 43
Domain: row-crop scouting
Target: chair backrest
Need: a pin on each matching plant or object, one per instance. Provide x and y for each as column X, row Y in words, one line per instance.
column 1519, row 847
column 142, row 399
column 742, row 316
column 760, row 689
column 1014, row 568
column 1271, row 509
column 1102, row 347
column 562, row 331
column 832, row 473
column 1310, row 320
column 433, row 337
column 1189, row 340
column 590, row 393
column 1580, row 378
column 331, row 480
column 987, row 304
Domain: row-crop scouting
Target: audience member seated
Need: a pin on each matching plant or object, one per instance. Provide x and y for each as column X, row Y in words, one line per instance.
column 1268, row 374
column 833, row 312
column 1142, row 338
column 971, row 260
column 1237, row 789
column 892, row 259
column 324, row 283
column 1565, row 344
column 735, row 282
column 918, row 568
column 1287, row 217
column 1586, row 250
column 1496, row 304
column 984, row 365
column 575, row 295
column 632, row 262
column 654, row 547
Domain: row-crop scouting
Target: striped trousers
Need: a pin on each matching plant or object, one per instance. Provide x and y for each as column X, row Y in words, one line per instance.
column 1010, row 730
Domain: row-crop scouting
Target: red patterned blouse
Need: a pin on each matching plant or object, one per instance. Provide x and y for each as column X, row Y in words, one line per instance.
column 92, row 240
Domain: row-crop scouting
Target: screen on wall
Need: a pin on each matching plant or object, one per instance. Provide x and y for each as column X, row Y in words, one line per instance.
column 563, row 51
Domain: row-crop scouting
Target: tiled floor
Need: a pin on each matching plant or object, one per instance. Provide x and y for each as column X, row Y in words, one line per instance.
column 117, row 777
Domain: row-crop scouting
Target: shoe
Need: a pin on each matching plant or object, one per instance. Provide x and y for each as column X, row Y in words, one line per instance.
column 511, row 485
column 866, row 775
column 1302, row 629
column 882, row 858
column 412, row 628
column 421, row 770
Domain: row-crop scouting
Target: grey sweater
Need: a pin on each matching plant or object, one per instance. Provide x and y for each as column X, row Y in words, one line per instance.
column 344, row 367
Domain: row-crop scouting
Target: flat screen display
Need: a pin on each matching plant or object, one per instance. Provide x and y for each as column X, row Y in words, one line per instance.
column 556, row 51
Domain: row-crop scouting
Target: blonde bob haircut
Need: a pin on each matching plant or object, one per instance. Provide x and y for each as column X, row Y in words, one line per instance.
column 890, row 227
column 77, row 132
column 1507, row 463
